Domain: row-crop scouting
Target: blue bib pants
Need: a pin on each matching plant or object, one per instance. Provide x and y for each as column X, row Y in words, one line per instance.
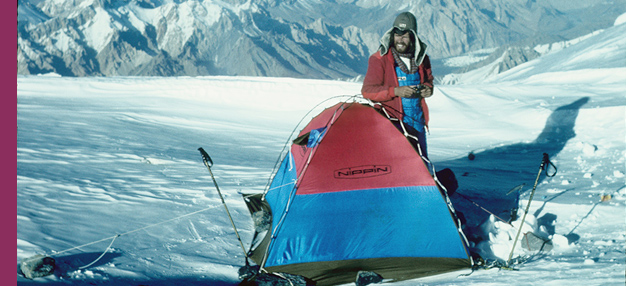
column 412, row 109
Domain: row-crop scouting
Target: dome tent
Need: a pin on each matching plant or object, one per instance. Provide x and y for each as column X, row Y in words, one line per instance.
column 353, row 194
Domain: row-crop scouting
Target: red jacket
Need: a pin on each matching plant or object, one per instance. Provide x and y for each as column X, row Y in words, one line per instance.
column 381, row 79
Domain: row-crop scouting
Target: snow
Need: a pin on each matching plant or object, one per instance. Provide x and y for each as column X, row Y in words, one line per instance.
column 468, row 59
column 620, row 20
column 598, row 51
column 98, row 157
column 63, row 42
column 557, row 46
column 101, row 25
column 578, row 57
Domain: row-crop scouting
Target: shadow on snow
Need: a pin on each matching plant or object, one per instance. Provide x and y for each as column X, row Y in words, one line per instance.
column 491, row 174
column 65, row 265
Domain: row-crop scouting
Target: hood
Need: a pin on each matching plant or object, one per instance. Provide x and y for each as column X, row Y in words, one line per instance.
column 404, row 21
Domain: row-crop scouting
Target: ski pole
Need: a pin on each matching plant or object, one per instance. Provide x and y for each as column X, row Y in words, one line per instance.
column 208, row 163
column 545, row 160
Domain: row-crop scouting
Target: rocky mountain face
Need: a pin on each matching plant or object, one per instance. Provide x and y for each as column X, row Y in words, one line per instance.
column 326, row 39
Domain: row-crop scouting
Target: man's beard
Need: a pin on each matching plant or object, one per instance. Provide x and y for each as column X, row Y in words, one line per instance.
column 403, row 49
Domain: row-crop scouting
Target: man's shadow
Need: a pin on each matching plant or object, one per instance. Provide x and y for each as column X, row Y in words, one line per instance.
column 484, row 178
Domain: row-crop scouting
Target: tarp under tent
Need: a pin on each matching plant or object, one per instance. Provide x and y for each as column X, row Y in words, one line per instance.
column 353, row 194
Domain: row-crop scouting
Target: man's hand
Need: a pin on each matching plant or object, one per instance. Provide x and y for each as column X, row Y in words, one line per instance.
column 426, row 91
column 413, row 92
column 405, row 91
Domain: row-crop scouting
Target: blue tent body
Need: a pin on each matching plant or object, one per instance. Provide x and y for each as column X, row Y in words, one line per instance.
column 353, row 194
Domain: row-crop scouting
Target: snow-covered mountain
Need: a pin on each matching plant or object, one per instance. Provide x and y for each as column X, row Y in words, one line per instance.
column 580, row 56
column 327, row 39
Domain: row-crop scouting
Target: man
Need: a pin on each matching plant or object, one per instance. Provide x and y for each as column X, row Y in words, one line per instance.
column 399, row 76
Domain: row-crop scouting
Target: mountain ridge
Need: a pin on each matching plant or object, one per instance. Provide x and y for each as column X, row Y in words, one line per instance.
column 321, row 39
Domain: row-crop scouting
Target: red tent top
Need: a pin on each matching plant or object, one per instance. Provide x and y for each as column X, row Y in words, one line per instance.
column 356, row 158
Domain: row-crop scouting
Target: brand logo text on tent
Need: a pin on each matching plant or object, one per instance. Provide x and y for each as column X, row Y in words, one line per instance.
column 362, row 172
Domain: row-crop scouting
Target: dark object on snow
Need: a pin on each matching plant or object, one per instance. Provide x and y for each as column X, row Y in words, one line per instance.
column 251, row 276
column 448, row 180
column 37, row 266
column 513, row 215
column 367, row 277
column 277, row 279
column 533, row 242
column 248, row 272
column 471, row 156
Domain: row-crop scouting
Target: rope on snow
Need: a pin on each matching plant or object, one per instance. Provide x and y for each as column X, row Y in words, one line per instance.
column 42, row 265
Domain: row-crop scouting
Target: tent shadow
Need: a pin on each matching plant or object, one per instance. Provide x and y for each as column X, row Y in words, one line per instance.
column 482, row 178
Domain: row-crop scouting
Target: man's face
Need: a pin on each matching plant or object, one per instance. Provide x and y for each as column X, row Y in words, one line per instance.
column 402, row 42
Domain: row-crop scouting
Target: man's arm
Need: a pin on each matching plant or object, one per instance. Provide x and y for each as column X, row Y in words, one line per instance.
column 373, row 84
column 427, row 91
